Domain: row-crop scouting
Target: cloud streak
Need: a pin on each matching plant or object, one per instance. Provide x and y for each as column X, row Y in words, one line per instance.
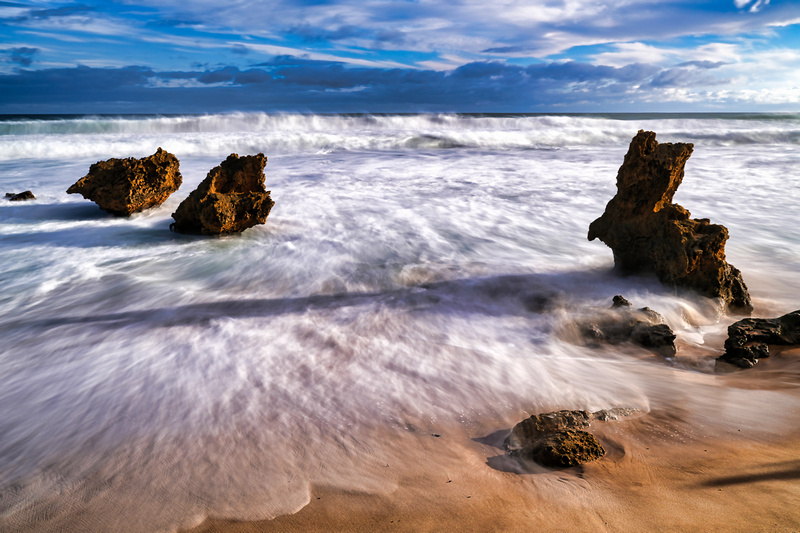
column 415, row 55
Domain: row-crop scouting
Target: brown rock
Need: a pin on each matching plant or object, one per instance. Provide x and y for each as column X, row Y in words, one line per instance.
column 555, row 439
column 749, row 339
column 231, row 199
column 20, row 196
column 126, row 186
column 622, row 323
column 648, row 233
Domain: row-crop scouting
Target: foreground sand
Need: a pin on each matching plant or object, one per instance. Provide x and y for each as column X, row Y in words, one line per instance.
column 662, row 472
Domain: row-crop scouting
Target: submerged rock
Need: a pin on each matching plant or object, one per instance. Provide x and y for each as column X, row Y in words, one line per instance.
column 231, row 199
column 749, row 339
column 20, row 196
column 126, row 186
column 648, row 233
column 555, row 439
column 622, row 323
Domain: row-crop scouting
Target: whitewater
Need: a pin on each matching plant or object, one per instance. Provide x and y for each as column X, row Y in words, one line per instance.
column 418, row 273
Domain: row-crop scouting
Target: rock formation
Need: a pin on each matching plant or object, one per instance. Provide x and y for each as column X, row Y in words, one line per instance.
column 20, row 196
column 555, row 439
column 749, row 339
column 231, row 199
column 648, row 233
column 642, row 327
column 126, row 186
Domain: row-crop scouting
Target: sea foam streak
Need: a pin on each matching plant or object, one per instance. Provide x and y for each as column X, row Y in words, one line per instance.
column 151, row 379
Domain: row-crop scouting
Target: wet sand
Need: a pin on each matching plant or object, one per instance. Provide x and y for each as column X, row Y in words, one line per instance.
column 668, row 470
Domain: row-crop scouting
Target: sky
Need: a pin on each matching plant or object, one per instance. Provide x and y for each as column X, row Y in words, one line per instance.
column 328, row 56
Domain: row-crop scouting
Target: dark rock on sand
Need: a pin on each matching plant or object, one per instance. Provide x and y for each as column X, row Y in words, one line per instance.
column 622, row 323
column 648, row 233
column 749, row 339
column 555, row 439
column 231, row 199
column 20, row 196
column 126, row 186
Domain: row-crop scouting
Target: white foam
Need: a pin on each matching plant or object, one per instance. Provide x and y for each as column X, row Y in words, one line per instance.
column 387, row 290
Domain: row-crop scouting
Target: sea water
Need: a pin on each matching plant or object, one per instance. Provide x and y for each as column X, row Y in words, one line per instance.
column 149, row 379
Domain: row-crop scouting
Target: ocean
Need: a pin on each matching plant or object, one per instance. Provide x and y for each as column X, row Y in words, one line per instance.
column 150, row 379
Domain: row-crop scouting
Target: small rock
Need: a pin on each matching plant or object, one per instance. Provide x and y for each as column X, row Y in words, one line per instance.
column 20, row 196
column 126, row 186
column 231, row 199
column 555, row 439
column 749, row 339
column 643, row 327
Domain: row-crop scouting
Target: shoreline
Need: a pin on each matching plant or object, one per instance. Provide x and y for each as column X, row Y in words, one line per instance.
column 663, row 471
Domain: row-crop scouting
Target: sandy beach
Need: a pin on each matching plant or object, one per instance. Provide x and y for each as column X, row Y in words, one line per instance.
column 667, row 470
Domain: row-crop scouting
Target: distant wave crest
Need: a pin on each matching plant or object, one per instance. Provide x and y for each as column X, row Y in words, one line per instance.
column 104, row 136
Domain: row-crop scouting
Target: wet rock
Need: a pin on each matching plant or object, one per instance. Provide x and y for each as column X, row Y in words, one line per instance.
column 231, row 199
column 126, row 186
column 749, row 339
column 622, row 323
column 555, row 439
column 648, row 233
column 20, row 196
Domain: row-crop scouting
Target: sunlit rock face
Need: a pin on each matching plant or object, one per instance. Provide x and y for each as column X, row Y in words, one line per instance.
column 126, row 186
column 648, row 233
column 555, row 439
column 231, row 199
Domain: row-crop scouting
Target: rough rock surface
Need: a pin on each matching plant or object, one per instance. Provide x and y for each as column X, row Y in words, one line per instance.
column 231, row 199
column 126, row 186
column 20, row 196
column 643, row 327
column 749, row 339
column 555, row 439
column 648, row 233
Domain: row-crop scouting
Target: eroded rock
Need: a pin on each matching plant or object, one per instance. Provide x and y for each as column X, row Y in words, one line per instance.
column 20, row 196
column 126, row 186
column 648, row 233
column 231, row 199
column 749, row 339
column 622, row 323
column 555, row 439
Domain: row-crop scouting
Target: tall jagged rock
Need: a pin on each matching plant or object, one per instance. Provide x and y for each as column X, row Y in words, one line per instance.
column 231, row 199
column 126, row 186
column 648, row 233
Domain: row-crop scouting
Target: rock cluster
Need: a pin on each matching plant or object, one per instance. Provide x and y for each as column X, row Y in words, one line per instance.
column 749, row 339
column 231, row 199
column 648, row 233
column 622, row 323
column 20, row 196
column 555, row 439
column 126, row 186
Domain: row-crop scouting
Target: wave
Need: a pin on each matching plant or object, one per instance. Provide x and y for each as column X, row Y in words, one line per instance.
column 104, row 136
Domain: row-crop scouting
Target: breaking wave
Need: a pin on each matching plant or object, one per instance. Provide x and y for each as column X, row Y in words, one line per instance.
column 30, row 137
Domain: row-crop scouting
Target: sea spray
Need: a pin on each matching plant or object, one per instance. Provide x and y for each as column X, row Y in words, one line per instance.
column 151, row 379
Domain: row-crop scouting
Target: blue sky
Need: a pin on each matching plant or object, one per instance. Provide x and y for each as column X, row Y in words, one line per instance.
column 175, row 56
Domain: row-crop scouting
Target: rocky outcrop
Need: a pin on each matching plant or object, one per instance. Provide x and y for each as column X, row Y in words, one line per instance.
column 231, row 199
column 622, row 323
column 648, row 233
column 555, row 439
column 749, row 339
column 126, row 186
column 20, row 196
